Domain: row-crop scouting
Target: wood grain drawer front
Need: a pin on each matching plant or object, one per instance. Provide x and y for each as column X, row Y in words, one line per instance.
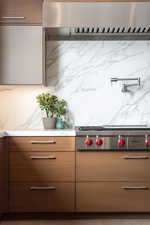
column 21, row 12
column 42, row 197
column 42, row 166
column 113, row 197
column 96, row 166
column 41, row 143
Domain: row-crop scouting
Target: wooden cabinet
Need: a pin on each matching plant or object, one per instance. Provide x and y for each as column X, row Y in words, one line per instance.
column 21, row 12
column 3, row 177
column 42, row 197
column 41, row 174
column 98, row 166
column 21, row 55
column 47, row 175
column 113, row 197
column 113, row 181
column 42, row 166
column 41, row 144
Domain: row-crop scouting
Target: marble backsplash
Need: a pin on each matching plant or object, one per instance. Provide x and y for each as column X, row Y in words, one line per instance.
column 80, row 72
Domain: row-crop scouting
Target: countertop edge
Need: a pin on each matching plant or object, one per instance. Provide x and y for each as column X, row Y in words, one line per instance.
column 37, row 133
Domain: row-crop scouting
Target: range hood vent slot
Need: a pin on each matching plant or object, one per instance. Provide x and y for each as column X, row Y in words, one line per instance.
column 109, row 30
column 74, row 19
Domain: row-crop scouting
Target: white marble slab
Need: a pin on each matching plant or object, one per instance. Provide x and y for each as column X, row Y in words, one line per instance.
column 39, row 133
column 80, row 72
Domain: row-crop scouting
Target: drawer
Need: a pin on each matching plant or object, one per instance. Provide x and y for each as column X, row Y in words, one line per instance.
column 113, row 197
column 21, row 12
column 42, row 197
column 41, row 166
column 96, row 166
column 41, row 143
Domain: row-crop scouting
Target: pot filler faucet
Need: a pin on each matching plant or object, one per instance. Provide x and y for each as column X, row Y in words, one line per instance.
column 125, row 86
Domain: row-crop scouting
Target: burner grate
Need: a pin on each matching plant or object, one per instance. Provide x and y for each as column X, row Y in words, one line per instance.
column 114, row 127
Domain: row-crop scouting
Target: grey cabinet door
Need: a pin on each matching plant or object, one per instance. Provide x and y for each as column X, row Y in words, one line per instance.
column 21, row 55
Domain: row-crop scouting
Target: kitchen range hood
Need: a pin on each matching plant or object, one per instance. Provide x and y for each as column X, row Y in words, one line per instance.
column 76, row 19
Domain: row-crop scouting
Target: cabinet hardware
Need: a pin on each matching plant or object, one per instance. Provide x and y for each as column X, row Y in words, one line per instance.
column 42, row 157
column 13, row 17
column 135, row 157
column 135, row 188
column 43, row 142
column 42, row 188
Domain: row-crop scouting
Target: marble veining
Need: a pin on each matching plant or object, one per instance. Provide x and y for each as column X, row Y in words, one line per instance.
column 80, row 72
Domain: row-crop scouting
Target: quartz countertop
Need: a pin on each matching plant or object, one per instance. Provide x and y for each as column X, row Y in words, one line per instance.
column 48, row 133
column 2, row 134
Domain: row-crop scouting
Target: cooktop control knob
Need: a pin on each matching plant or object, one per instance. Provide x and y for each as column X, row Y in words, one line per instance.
column 88, row 141
column 99, row 141
column 147, row 140
column 121, row 142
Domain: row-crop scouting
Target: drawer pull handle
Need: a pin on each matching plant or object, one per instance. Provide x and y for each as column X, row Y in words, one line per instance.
column 135, row 157
column 42, row 157
column 42, row 188
column 134, row 188
column 43, row 142
column 13, row 17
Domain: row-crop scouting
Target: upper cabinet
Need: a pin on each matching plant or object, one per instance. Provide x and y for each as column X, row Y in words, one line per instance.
column 21, row 55
column 21, row 12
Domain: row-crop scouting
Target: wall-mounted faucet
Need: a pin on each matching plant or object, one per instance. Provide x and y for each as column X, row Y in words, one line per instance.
column 125, row 85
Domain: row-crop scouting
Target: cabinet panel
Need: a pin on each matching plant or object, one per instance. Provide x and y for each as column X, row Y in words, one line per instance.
column 42, row 166
column 21, row 55
column 3, row 177
column 113, row 197
column 95, row 166
column 42, row 197
column 41, row 143
column 21, row 12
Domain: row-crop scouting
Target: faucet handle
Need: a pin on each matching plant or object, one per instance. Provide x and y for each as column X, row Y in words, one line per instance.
column 113, row 79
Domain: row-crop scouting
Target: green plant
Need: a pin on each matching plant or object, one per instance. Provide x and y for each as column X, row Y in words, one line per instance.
column 48, row 103
column 61, row 108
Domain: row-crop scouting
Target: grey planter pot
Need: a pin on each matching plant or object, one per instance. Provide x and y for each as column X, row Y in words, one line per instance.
column 49, row 123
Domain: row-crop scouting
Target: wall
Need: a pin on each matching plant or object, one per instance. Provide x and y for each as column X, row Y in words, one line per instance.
column 80, row 72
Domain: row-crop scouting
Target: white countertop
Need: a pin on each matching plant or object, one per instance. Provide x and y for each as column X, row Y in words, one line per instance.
column 47, row 133
column 2, row 134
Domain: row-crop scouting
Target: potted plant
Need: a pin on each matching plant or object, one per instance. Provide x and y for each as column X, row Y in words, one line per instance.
column 48, row 103
column 61, row 109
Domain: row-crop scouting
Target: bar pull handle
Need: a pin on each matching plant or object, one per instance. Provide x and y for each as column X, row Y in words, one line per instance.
column 134, row 188
column 13, row 17
column 51, row 188
column 135, row 157
column 43, row 157
column 43, row 142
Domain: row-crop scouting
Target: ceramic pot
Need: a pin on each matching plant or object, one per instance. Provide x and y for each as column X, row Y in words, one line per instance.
column 49, row 123
column 60, row 124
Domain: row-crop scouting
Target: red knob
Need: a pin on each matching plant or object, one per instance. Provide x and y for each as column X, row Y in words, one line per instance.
column 121, row 142
column 99, row 141
column 88, row 141
column 147, row 142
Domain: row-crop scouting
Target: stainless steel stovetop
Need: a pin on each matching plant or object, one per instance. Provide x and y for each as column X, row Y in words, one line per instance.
column 112, row 137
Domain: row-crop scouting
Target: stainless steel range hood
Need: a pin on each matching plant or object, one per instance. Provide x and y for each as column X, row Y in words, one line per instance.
column 96, row 18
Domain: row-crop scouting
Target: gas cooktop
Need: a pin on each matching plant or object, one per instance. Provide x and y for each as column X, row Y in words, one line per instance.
column 113, row 137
